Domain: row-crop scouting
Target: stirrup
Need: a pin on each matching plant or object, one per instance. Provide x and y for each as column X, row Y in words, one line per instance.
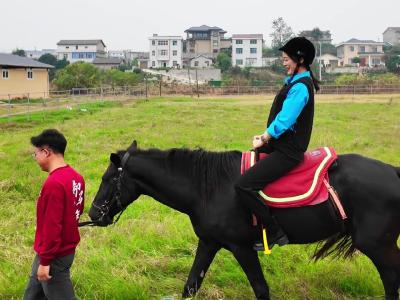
column 267, row 251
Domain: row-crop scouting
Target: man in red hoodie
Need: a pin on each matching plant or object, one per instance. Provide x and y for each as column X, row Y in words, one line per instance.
column 58, row 209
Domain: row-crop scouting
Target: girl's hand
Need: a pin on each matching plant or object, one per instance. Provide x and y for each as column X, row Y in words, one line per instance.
column 257, row 142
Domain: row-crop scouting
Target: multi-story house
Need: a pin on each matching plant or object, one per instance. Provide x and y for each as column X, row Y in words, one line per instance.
column 165, row 51
column 80, row 50
column 247, row 50
column 392, row 35
column 206, row 40
column 370, row 53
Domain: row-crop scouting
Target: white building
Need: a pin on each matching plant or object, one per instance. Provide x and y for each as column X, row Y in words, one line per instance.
column 392, row 35
column 36, row 54
column 247, row 50
column 165, row 51
column 201, row 61
column 80, row 50
column 122, row 54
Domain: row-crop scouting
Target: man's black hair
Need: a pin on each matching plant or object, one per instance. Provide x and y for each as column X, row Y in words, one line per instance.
column 51, row 138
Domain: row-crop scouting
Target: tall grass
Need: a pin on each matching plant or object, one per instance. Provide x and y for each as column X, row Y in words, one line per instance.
column 148, row 254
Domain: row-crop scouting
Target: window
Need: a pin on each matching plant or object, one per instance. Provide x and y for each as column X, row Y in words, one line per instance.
column 5, row 73
column 351, row 48
column 239, row 50
column 153, row 63
column 253, row 42
column 174, row 52
column 153, row 42
column 163, row 52
column 239, row 62
column 251, row 61
column 67, row 47
column 153, row 53
column 174, row 43
column 376, row 61
column 29, row 73
column 65, row 56
column 174, row 63
column 76, row 47
column 253, row 50
column 374, row 49
column 196, row 63
column 362, row 48
column 239, row 42
column 162, row 43
column 215, row 51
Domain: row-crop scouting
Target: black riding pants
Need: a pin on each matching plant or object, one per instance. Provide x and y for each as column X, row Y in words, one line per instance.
column 275, row 165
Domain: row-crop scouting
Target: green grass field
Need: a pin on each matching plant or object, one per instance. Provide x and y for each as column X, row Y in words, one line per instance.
column 148, row 254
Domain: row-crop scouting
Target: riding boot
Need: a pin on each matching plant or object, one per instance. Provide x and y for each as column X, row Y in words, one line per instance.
column 275, row 236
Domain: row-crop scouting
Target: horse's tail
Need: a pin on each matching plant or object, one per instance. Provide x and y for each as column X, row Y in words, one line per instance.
column 339, row 245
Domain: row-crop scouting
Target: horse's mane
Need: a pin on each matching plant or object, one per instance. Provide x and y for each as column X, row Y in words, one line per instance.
column 207, row 169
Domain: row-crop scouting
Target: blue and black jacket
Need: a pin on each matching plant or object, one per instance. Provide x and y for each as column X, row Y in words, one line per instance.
column 291, row 116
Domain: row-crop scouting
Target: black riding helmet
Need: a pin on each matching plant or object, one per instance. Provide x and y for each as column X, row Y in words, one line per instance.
column 300, row 47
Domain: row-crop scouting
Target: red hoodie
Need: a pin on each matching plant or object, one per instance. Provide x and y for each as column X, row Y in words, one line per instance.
column 58, row 209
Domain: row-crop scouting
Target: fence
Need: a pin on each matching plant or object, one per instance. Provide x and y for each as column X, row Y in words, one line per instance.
column 13, row 104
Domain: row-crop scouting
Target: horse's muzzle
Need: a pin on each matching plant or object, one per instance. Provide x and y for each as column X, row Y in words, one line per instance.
column 99, row 219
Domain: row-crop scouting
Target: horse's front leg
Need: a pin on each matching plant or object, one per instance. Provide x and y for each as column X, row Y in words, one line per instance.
column 204, row 256
column 248, row 260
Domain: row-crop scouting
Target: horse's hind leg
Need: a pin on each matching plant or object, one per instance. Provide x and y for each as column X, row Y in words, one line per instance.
column 378, row 240
column 204, row 256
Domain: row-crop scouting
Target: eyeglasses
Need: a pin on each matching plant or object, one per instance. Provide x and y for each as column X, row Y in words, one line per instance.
column 34, row 154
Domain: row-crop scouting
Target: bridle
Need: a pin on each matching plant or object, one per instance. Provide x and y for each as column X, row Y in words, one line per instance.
column 116, row 198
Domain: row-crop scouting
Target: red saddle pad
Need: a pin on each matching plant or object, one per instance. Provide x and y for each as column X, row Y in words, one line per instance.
column 301, row 186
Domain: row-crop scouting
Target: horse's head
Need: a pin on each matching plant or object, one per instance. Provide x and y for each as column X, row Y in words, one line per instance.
column 117, row 189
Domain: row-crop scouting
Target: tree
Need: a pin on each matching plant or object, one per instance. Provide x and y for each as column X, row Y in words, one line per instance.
column 281, row 33
column 52, row 60
column 224, row 62
column 19, row 52
column 356, row 60
column 316, row 34
column 61, row 64
column 78, row 75
column 116, row 77
column 268, row 52
column 392, row 59
column 48, row 59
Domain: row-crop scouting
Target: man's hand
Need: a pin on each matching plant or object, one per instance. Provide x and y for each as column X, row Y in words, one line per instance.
column 257, row 142
column 43, row 273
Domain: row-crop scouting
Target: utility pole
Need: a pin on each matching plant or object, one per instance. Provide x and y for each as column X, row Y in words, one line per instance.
column 145, row 80
column 320, row 57
column 190, row 84
column 197, row 85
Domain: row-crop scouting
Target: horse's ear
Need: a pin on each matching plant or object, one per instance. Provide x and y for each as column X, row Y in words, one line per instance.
column 132, row 147
column 115, row 159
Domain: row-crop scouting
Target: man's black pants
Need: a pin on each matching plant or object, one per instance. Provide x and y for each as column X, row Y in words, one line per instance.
column 59, row 287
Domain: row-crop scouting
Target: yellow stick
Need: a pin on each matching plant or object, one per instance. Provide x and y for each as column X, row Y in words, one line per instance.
column 266, row 249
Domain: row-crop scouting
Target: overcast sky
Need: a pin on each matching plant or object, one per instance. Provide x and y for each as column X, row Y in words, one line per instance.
column 30, row 24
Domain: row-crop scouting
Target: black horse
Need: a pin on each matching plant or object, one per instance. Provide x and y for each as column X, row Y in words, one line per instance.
column 201, row 184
